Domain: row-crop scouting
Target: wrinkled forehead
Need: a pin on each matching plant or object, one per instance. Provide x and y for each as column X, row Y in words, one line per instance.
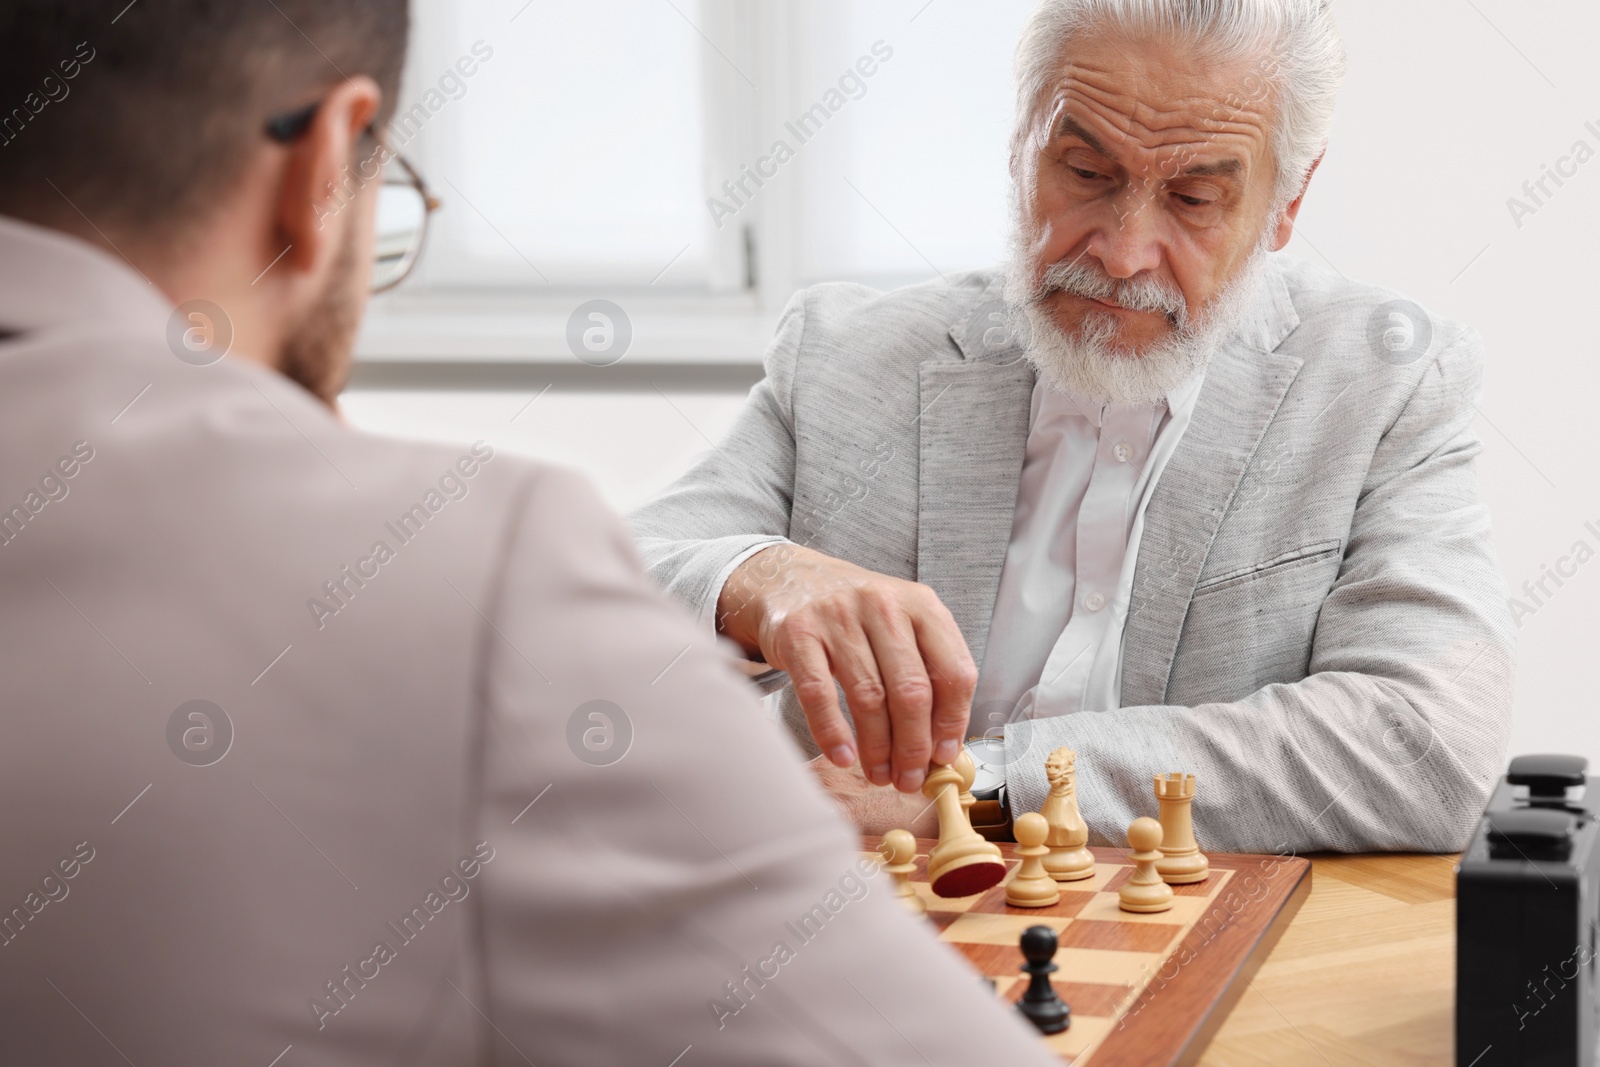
column 1146, row 101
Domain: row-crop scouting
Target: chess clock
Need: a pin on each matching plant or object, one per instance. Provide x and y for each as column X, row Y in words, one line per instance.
column 1527, row 908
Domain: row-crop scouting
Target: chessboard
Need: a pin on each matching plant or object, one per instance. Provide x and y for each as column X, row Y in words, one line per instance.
column 1145, row 990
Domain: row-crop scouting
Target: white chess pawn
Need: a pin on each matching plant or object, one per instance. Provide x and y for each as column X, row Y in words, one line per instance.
column 900, row 851
column 1031, row 886
column 1145, row 891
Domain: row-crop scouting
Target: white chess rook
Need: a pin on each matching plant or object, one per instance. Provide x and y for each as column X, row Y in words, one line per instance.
column 1182, row 862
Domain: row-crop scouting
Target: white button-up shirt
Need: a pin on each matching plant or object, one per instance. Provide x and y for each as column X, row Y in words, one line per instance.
column 1055, row 643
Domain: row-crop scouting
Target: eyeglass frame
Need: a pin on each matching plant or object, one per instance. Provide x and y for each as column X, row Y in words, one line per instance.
column 291, row 126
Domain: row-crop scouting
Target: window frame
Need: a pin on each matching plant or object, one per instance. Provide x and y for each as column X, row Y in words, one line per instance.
column 753, row 262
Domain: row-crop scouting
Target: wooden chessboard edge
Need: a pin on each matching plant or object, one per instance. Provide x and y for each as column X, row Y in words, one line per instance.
column 1222, row 1006
column 1167, row 1035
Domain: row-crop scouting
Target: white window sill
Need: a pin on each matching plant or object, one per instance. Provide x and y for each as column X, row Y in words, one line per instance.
column 489, row 327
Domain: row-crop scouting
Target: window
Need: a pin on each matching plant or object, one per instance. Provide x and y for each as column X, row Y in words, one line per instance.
column 573, row 155
column 619, row 146
column 912, row 178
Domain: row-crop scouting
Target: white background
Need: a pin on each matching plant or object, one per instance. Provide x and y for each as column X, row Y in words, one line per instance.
column 1448, row 108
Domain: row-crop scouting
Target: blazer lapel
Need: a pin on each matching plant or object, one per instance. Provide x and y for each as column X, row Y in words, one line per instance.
column 973, row 437
column 1244, row 387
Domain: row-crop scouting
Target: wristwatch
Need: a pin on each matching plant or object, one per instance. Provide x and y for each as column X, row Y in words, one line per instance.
column 991, row 815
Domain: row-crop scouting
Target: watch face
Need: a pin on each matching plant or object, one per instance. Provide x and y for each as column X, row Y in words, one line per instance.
column 989, row 755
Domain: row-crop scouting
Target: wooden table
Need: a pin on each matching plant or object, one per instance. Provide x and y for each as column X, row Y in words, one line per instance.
column 1365, row 974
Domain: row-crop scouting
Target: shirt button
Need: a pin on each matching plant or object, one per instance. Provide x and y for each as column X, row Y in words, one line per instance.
column 1123, row 451
column 1094, row 601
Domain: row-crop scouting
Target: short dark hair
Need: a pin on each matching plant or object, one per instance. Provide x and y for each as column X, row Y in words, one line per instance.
column 141, row 112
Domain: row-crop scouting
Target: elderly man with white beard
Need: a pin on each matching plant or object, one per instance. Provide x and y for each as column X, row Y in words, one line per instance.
column 1191, row 504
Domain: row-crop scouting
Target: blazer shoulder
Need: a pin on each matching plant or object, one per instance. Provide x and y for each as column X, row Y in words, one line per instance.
column 859, row 322
column 484, row 489
column 1359, row 327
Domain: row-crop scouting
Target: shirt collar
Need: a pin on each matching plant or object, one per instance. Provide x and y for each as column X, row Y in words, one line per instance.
column 50, row 280
column 1181, row 398
column 1179, row 401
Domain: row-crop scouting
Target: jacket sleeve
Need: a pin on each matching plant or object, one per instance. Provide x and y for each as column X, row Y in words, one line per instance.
column 1396, row 735
column 665, row 872
column 736, row 500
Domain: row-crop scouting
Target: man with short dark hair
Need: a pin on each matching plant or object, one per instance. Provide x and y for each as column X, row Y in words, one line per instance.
column 323, row 749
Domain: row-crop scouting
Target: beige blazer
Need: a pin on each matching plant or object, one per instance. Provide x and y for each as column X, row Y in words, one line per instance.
column 461, row 788
column 1318, row 629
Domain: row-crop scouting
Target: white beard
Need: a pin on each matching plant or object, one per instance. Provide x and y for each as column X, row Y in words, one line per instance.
column 1087, row 365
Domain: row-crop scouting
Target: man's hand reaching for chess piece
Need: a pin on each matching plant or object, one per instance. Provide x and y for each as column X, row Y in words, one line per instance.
column 875, row 809
column 894, row 647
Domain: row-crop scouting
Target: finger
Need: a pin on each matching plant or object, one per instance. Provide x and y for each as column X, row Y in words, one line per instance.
column 953, row 675
column 806, row 661
column 908, row 692
column 857, row 670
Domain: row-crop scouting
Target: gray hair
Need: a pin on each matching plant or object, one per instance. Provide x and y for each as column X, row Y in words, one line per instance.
column 1302, row 60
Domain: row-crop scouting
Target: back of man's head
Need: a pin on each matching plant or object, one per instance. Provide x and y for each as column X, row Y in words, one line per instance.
column 135, row 115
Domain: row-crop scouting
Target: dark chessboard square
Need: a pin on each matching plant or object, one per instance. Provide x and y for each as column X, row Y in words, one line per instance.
column 991, row 959
column 1122, row 937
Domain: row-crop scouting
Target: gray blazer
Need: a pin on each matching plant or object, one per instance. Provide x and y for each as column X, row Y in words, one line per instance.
column 408, row 836
column 1318, row 629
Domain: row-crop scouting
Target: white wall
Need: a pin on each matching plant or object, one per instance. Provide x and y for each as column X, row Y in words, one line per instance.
column 1447, row 110
column 631, row 444
column 1449, row 107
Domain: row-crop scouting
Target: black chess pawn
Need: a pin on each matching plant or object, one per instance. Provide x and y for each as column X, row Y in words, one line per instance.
column 1041, row 1004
